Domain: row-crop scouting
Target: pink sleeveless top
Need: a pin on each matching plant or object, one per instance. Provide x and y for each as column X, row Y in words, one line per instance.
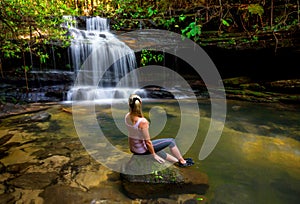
column 136, row 139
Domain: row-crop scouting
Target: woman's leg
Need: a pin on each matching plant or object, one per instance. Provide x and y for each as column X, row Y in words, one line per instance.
column 170, row 158
column 175, row 151
column 160, row 144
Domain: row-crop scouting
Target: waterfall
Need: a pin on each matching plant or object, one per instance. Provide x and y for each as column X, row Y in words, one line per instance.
column 100, row 60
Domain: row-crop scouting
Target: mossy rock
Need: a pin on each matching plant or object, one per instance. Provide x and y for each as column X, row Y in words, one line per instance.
column 165, row 179
column 237, row 81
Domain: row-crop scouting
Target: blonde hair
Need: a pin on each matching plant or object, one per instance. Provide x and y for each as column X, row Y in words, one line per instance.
column 135, row 105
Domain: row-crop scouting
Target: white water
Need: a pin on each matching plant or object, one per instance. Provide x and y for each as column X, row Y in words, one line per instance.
column 100, row 61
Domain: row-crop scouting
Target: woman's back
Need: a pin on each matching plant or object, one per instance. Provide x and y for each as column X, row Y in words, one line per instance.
column 136, row 138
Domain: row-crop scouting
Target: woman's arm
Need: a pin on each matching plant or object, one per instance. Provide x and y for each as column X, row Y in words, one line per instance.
column 144, row 126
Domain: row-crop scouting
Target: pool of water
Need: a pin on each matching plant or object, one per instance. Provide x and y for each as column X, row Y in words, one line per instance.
column 256, row 160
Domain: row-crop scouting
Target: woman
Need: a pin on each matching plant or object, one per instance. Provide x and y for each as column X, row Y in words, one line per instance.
column 139, row 137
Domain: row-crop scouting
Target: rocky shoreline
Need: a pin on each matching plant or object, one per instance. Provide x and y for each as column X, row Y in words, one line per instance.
column 238, row 88
column 277, row 91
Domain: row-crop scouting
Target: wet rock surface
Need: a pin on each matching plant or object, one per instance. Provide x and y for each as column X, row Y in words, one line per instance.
column 243, row 88
column 41, row 163
column 65, row 194
column 247, row 89
column 10, row 109
column 155, row 92
column 163, row 181
column 39, row 117
column 35, row 180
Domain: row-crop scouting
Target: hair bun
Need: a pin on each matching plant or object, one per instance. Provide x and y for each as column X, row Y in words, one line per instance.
column 137, row 101
column 134, row 100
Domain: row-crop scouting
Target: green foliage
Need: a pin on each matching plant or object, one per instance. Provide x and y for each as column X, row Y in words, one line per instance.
column 182, row 17
column 157, row 175
column 173, row 22
column 43, row 57
column 256, row 9
column 22, row 69
column 30, row 25
column 232, row 41
column 225, row 23
column 132, row 9
column 151, row 12
column 129, row 13
column 119, row 25
column 68, row 66
column 200, row 199
column 254, row 38
column 192, row 31
column 148, row 56
column 26, row 68
column 168, row 22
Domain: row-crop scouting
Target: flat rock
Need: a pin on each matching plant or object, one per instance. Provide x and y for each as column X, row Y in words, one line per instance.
column 164, row 182
column 65, row 194
column 39, row 117
column 18, row 168
column 62, row 194
column 34, row 180
column 10, row 109
column 155, row 92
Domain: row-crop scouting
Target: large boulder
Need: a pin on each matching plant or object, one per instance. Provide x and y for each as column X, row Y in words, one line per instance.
column 163, row 181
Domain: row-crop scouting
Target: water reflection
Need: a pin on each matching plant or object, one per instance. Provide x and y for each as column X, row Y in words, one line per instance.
column 257, row 159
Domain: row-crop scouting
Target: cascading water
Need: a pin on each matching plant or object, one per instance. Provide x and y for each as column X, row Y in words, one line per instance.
column 101, row 62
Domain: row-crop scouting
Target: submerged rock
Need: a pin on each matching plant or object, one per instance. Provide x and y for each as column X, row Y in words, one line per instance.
column 34, row 180
column 59, row 193
column 231, row 193
column 63, row 194
column 8, row 198
column 163, row 182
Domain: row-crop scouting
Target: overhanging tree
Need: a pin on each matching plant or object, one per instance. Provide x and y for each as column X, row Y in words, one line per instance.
column 28, row 26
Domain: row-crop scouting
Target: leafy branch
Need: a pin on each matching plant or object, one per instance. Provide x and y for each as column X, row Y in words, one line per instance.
column 148, row 56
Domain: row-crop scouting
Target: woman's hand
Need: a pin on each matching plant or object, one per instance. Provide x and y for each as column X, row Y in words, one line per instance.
column 158, row 158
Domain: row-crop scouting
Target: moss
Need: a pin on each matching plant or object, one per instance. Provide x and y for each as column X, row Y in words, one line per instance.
column 236, row 81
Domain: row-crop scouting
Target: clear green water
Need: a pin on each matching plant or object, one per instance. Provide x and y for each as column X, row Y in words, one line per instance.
column 257, row 159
